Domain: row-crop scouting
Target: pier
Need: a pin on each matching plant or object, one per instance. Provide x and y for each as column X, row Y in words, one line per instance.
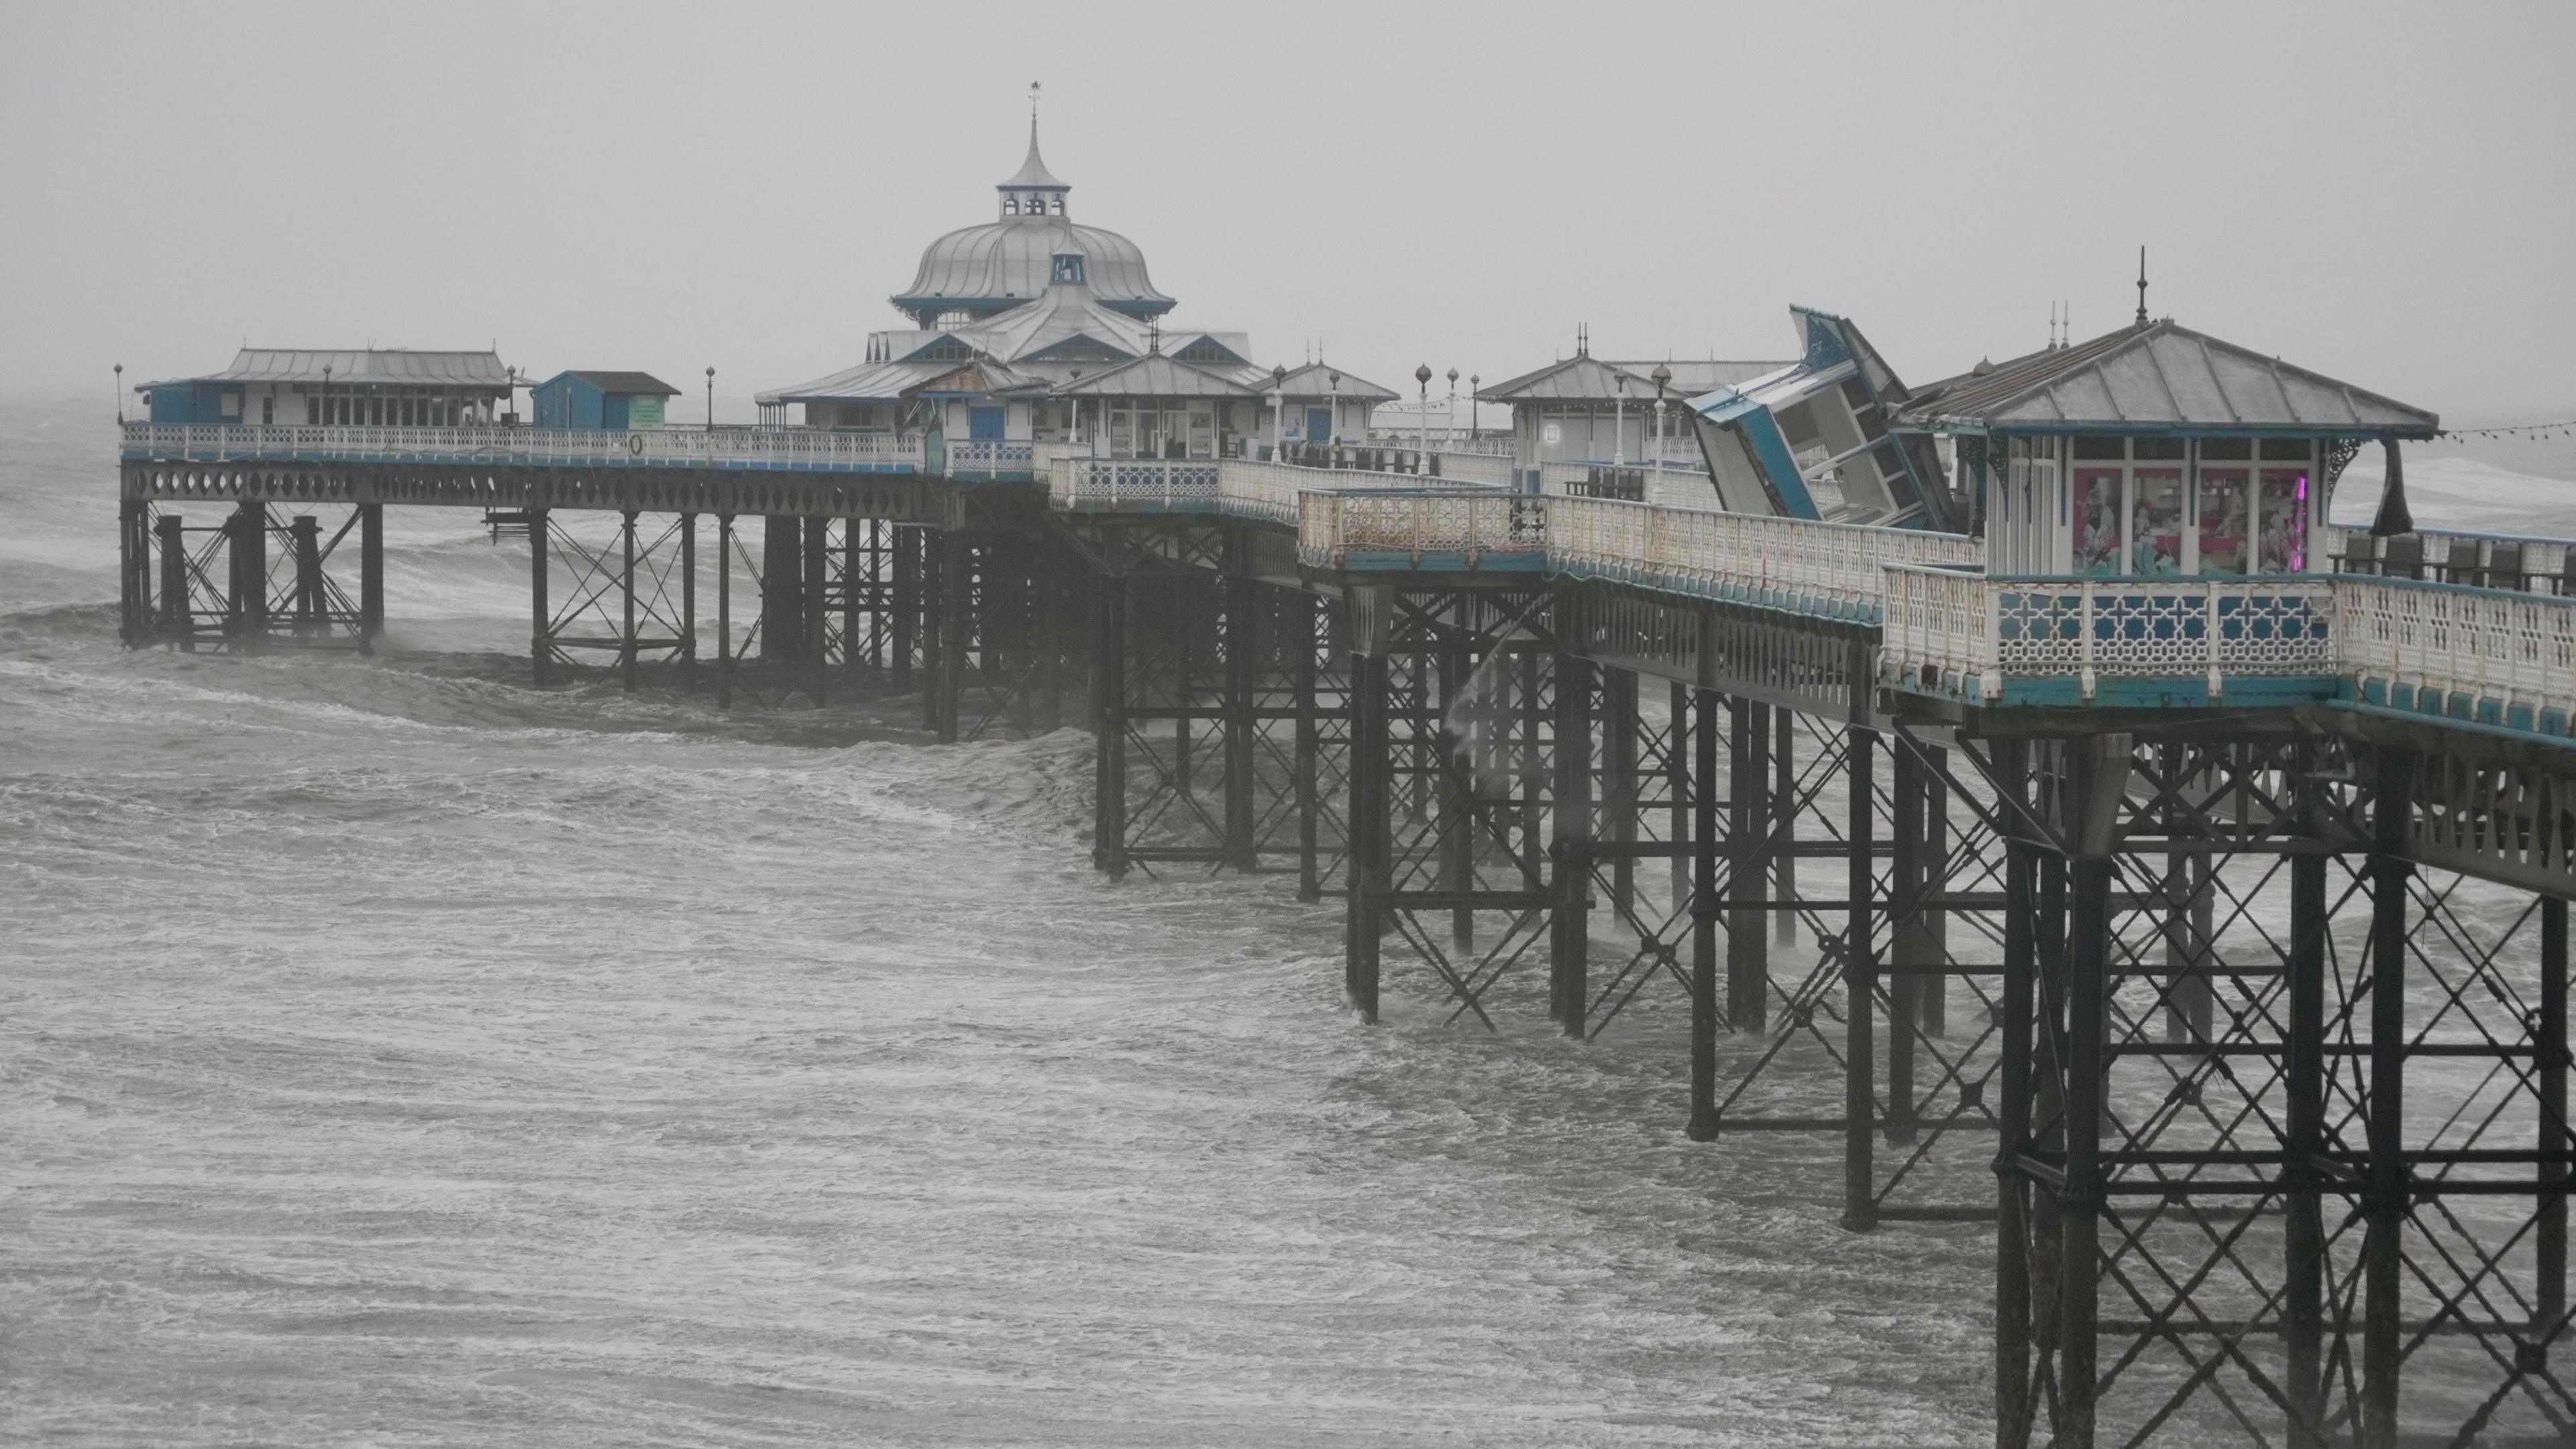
column 2016, row 782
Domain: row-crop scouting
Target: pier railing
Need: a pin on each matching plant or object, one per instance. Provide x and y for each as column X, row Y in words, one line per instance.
column 790, row 449
column 1956, row 631
column 2492, row 656
column 1422, row 528
column 1133, row 485
column 1833, row 569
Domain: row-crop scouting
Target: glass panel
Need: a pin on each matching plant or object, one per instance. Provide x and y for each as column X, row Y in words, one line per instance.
column 2222, row 520
column 2284, row 449
column 2114, row 448
column 2160, row 449
column 2097, row 520
column 2155, row 521
column 1122, row 437
column 2227, row 450
column 2285, row 521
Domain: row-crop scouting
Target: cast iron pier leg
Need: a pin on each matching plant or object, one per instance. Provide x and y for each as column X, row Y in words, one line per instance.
column 178, row 614
column 541, row 642
column 629, row 667
column 371, row 575
column 1860, row 988
column 1703, row 913
column 1571, row 941
column 1365, row 854
column 724, row 611
column 2384, row 1190
column 1109, row 695
column 1748, row 968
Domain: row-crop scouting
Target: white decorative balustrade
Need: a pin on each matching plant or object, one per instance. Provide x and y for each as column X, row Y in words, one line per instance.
column 1957, row 631
column 1830, row 569
column 1434, row 528
column 2506, row 658
column 793, row 449
column 1133, row 485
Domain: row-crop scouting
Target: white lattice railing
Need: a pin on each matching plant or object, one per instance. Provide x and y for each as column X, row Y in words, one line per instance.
column 1959, row 630
column 991, row 455
column 1480, row 527
column 2517, row 650
column 1270, row 490
column 1828, row 568
column 670, row 447
column 1132, row 484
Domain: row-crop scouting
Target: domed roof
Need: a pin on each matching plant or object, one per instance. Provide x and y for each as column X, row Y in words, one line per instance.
column 1002, row 264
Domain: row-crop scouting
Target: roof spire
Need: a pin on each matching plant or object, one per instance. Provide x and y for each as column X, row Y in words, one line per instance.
column 1034, row 191
column 2142, row 286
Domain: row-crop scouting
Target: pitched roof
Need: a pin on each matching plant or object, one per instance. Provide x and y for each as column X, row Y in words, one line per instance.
column 363, row 367
column 1585, row 378
column 867, row 382
column 1315, row 379
column 1154, row 375
column 2161, row 375
column 621, row 382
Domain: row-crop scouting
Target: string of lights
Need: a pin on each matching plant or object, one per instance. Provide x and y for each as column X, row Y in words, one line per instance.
column 2533, row 431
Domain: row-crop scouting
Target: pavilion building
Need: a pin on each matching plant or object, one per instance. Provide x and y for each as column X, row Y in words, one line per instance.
column 1032, row 328
column 388, row 387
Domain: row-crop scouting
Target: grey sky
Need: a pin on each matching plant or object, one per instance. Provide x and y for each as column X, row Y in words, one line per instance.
column 2380, row 192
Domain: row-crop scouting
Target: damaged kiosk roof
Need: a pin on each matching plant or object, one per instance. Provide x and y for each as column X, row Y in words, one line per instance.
column 1811, row 440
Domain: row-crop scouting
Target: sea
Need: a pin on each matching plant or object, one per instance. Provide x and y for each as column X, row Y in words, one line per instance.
column 395, row 1053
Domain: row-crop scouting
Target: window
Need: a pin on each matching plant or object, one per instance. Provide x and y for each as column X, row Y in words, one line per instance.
column 2284, row 520
column 2097, row 520
column 2155, row 521
column 2223, row 517
column 268, row 411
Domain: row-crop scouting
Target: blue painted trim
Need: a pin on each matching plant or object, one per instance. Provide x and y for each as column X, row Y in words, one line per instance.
column 1771, row 449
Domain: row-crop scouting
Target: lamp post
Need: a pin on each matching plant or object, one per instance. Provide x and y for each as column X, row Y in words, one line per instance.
column 326, row 393
column 1619, row 426
column 1278, row 407
column 1449, row 418
column 1475, row 385
column 711, row 399
column 1422, row 433
column 120, row 394
column 1336, row 429
column 1663, row 376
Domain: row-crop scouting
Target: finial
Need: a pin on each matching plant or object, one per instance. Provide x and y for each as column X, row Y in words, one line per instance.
column 1033, row 109
column 2142, row 286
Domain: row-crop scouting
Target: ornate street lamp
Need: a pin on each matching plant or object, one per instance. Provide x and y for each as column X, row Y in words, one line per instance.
column 120, row 394
column 1663, row 376
column 1449, row 419
column 326, row 393
column 1422, row 434
column 1619, row 426
column 1475, row 385
column 711, row 399
column 1336, row 429
column 1278, row 407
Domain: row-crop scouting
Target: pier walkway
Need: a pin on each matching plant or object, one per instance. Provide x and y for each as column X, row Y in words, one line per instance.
column 2202, row 937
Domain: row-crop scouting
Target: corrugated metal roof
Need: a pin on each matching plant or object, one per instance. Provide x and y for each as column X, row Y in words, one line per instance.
column 1315, row 379
column 1584, row 378
column 622, row 382
column 867, row 382
column 1154, row 375
column 1011, row 260
column 2162, row 375
column 358, row 367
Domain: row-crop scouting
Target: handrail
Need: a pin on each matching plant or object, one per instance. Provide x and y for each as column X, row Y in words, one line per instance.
column 1469, row 527
column 664, row 447
column 1830, row 568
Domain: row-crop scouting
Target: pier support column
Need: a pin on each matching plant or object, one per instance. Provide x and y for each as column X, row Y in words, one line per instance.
column 1454, row 801
column 134, row 572
column 1784, row 822
column 2549, row 1229
column 541, row 644
column 1242, row 655
column 1748, row 967
column 2099, row 771
column 246, row 594
column 2303, row 1308
column 178, row 612
column 956, row 581
column 2384, row 1184
column 933, row 589
column 1705, row 1017
column 371, row 575
column 724, row 611
column 1305, row 614
column 1860, row 983
column 309, row 611
column 1677, row 790
column 2016, row 1019
column 903, row 606
column 813, row 617
column 1908, row 953
column 689, row 602
column 1619, row 784
column 1571, row 851
column 629, row 667
column 856, row 577
column 1109, row 701
column 1366, row 855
